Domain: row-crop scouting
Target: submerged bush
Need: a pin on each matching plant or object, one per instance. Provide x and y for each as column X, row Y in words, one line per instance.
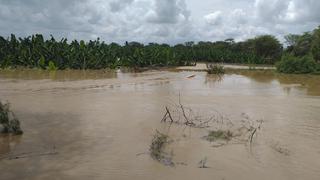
column 215, row 69
column 158, row 143
column 219, row 135
column 297, row 65
column 10, row 124
column 157, row 149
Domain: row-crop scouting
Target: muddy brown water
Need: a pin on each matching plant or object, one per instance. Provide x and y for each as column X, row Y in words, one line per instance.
column 101, row 123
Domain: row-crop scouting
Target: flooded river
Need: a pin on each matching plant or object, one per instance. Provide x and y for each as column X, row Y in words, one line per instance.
column 99, row 125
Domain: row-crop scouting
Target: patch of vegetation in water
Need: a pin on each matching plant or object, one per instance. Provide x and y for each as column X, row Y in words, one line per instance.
column 9, row 122
column 215, row 69
column 157, row 149
column 219, row 135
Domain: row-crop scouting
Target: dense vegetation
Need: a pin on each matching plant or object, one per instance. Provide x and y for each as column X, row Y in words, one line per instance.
column 300, row 56
column 36, row 52
column 303, row 53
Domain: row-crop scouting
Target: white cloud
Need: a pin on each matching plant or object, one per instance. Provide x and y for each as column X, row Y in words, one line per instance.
column 214, row 18
column 288, row 11
column 169, row 21
column 168, row 12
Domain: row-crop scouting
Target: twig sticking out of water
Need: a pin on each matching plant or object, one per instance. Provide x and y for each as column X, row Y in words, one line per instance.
column 252, row 134
column 254, row 131
column 221, row 129
column 166, row 116
column 189, row 119
column 203, row 162
column 188, row 122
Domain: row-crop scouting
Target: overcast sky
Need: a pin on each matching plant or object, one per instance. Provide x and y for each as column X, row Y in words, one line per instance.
column 162, row 21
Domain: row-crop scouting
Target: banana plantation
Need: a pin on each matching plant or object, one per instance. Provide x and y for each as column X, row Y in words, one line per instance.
column 36, row 51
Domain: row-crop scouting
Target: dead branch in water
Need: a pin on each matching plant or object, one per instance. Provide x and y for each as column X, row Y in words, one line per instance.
column 188, row 118
column 254, row 130
column 188, row 122
column 220, row 128
column 203, row 163
column 252, row 134
column 167, row 115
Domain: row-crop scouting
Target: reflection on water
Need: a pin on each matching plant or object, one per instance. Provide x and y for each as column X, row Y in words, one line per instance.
column 308, row 83
column 33, row 74
column 7, row 143
column 99, row 121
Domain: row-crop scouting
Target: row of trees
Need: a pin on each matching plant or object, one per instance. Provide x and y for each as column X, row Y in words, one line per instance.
column 35, row 51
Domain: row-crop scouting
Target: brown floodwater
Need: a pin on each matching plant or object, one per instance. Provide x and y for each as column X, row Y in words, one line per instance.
column 100, row 124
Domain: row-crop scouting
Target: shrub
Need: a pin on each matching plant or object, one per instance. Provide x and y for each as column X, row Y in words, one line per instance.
column 219, row 135
column 52, row 66
column 215, row 69
column 157, row 149
column 10, row 124
column 297, row 65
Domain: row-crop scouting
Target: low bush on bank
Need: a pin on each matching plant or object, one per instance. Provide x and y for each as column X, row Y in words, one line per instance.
column 298, row 65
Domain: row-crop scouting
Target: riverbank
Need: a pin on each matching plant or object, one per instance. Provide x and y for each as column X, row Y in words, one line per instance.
column 202, row 67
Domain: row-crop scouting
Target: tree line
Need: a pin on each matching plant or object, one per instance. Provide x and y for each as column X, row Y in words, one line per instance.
column 37, row 52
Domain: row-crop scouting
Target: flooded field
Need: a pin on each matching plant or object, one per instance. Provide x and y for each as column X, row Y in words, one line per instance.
column 100, row 124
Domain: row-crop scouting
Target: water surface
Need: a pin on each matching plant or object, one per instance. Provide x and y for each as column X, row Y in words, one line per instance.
column 99, row 121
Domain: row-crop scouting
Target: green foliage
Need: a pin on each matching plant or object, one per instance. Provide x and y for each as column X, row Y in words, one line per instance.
column 303, row 53
column 8, row 121
column 35, row 51
column 215, row 69
column 42, row 62
column 291, row 39
column 52, row 66
column 268, row 48
column 297, row 65
column 315, row 49
column 303, row 45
